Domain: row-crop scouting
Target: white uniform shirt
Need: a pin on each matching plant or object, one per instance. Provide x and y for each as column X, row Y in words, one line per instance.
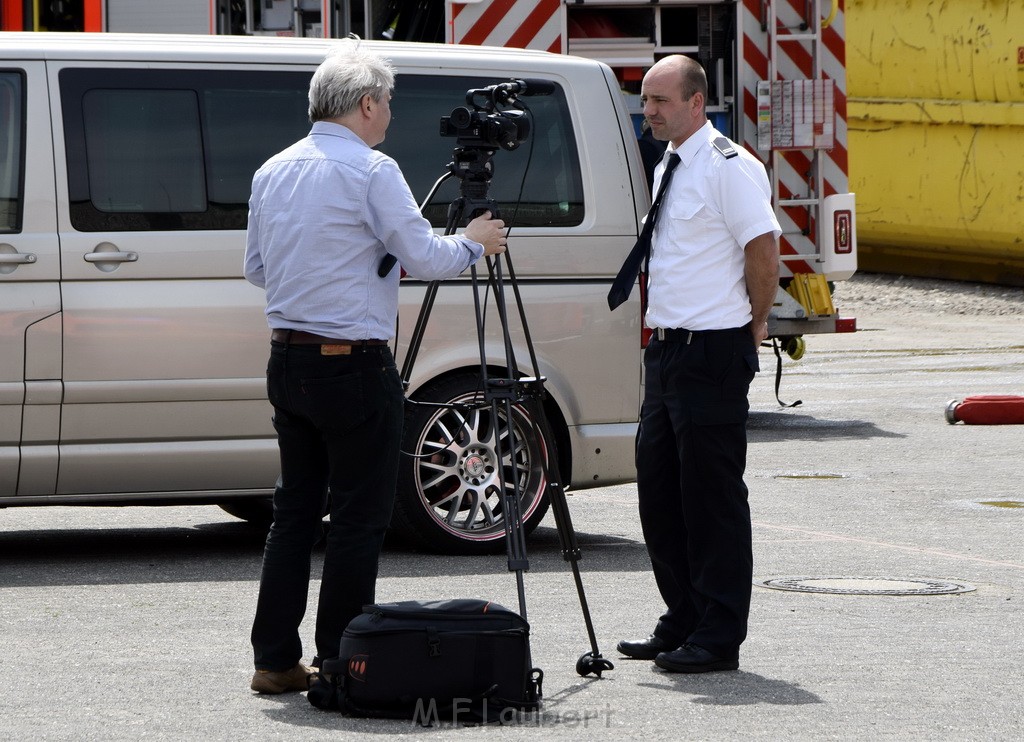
column 714, row 206
column 322, row 216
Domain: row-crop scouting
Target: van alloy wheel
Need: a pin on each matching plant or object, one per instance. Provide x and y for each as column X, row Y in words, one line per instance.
column 449, row 493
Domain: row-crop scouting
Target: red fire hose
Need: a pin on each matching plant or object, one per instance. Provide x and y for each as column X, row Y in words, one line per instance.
column 987, row 409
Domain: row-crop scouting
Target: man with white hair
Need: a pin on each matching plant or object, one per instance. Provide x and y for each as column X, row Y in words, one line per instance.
column 323, row 215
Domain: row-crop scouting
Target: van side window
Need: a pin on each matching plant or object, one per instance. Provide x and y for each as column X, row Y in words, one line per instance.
column 173, row 149
column 145, row 151
column 550, row 195
column 12, row 150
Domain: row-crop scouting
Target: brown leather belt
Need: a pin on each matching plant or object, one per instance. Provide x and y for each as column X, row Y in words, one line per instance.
column 298, row 337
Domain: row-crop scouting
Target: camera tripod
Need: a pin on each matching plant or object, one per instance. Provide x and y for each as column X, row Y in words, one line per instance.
column 472, row 165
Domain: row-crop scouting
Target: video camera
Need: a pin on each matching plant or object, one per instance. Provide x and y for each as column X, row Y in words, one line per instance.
column 483, row 124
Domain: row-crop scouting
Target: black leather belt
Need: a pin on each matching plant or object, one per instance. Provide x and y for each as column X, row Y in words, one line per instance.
column 682, row 335
column 298, row 337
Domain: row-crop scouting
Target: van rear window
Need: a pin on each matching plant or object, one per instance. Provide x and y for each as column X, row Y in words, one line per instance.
column 12, row 150
column 536, row 185
column 176, row 149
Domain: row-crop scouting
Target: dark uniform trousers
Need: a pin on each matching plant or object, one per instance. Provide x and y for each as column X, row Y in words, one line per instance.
column 690, row 459
column 339, row 423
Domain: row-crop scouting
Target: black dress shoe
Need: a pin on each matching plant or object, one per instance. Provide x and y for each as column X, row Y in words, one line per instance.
column 645, row 649
column 692, row 658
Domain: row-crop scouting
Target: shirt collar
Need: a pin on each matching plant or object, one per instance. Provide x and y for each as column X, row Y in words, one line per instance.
column 692, row 145
column 335, row 130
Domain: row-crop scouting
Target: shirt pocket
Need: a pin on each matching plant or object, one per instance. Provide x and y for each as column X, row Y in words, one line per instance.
column 685, row 210
column 685, row 226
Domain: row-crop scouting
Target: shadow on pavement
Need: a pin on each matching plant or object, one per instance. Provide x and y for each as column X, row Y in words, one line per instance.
column 714, row 689
column 735, row 689
column 234, row 550
column 771, row 427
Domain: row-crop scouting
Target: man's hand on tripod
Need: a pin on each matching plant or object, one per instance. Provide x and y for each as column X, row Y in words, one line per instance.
column 488, row 232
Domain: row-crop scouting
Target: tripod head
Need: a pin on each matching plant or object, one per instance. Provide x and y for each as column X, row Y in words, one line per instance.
column 474, row 167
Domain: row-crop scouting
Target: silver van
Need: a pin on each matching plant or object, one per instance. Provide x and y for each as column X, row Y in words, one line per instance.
column 132, row 351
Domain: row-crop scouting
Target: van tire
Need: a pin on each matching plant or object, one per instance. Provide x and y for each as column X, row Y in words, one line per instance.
column 256, row 510
column 460, row 469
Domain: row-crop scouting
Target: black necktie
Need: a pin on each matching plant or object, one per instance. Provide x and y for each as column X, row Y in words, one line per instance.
column 623, row 283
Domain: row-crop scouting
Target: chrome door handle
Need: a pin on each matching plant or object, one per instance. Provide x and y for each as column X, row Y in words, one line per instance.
column 111, row 257
column 18, row 258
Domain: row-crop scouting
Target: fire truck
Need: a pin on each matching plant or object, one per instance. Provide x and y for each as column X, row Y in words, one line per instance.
column 776, row 70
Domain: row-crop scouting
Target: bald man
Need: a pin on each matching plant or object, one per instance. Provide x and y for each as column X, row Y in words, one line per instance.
column 713, row 274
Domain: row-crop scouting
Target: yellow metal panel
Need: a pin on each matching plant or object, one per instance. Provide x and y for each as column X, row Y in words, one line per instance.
column 935, row 49
column 936, row 117
column 811, row 290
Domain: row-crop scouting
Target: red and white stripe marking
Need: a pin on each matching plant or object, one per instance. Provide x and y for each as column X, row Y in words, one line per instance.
column 524, row 24
column 795, row 62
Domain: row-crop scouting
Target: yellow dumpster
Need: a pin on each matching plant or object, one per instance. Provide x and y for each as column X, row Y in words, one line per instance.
column 936, row 136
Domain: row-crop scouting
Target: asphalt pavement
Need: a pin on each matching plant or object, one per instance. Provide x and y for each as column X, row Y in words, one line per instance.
column 123, row 623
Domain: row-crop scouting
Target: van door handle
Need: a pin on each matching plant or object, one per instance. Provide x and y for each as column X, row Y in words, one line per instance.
column 111, row 257
column 18, row 258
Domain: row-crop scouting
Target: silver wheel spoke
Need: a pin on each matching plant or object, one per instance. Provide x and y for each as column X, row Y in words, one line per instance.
column 451, row 504
column 473, row 425
column 473, row 509
column 508, row 451
column 445, row 434
column 488, row 513
column 437, row 446
column 441, row 473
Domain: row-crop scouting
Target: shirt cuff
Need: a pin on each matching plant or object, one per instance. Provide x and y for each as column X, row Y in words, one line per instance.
column 475, row 248
column 757, row 230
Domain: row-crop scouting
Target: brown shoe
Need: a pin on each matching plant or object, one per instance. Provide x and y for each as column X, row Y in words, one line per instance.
column 286, row 681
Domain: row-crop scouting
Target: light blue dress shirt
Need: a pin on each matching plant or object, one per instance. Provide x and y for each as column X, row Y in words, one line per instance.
column 322, row 215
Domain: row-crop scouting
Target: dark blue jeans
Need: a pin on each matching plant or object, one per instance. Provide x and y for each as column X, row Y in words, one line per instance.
column 339, row 424
column 690, row 459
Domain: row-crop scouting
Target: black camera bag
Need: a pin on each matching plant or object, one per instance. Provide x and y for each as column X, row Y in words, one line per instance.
column 462, row 660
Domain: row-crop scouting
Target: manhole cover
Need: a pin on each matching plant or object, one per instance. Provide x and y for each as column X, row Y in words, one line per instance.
column 866, row 585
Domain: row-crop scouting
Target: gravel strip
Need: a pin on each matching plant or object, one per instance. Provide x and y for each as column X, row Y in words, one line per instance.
column 890, row 293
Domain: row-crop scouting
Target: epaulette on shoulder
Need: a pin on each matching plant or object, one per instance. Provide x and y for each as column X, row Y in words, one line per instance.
column 724, row 147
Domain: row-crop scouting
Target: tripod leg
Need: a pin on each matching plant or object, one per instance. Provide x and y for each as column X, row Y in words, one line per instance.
column 515, row 538
column 417, row 334
column 522, row 315
column 455, row 212
column 499, row 392
column 592, row 661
